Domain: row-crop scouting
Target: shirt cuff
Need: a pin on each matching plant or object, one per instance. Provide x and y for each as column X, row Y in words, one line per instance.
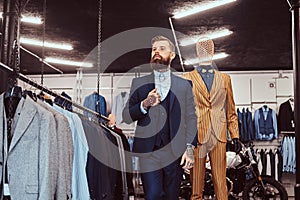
column 142, row 108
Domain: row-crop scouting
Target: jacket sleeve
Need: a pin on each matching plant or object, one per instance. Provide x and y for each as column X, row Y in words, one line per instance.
column 132, row 111
column 232, row 119
column 190, row 117
column 47, row 156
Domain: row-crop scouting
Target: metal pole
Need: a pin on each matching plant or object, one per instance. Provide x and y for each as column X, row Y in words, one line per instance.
column 296, row 67
column 10, row 36
column 176, row 43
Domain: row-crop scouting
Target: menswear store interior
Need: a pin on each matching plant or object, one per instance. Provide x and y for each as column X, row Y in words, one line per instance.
column 82, row 55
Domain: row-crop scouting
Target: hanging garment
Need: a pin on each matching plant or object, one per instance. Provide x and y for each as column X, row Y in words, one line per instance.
column 241, row 125
column 31, row 158
column 95, row 102
column 65, row 153
column 117, row 109
column 265, row 123
column 80, row 188
column 103, row 164
column 286, row 121
column 250, row 127
column 118, row 106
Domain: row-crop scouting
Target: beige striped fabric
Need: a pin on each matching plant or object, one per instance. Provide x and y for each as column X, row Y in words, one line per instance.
column 216, row 114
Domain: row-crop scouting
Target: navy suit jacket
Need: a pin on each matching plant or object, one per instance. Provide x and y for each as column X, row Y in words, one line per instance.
column 182, row 116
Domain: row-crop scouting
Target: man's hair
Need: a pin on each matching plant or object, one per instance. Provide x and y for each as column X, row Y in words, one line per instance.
column 162, row 38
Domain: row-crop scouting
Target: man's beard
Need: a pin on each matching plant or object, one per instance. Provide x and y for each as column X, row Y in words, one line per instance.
column 159, row 63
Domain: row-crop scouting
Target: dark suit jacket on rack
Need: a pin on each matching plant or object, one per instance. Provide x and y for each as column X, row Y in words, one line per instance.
column 182, row 118
column 285, row 117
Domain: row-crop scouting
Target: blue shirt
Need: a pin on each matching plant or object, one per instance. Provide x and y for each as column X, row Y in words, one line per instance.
column 207, row 75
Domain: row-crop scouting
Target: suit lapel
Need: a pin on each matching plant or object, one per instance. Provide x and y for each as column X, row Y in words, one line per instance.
column 217, row 83
column 172, row 91
column 27, row 112
column 150, row 82
column 199, row 83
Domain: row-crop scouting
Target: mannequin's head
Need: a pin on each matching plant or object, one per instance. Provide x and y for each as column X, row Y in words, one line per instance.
column 205, row 50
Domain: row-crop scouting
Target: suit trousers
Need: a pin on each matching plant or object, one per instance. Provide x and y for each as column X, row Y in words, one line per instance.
column 217, row 156
column 161, row 181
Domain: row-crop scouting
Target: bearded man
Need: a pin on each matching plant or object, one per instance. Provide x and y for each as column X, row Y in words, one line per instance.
column 166, row 133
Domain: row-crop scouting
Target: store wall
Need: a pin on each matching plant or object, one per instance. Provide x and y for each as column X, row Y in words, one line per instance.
column 250, row 88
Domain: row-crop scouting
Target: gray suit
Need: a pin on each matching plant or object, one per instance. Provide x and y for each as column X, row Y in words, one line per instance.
column 32, row 156
column 65, row 154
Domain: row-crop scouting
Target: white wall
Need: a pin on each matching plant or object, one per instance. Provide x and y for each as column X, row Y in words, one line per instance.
column 251, row 89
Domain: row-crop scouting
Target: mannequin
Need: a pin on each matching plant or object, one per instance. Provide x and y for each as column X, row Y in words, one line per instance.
column 216, row 114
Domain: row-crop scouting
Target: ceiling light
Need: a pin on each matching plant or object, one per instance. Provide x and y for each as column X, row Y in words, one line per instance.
column 212, row 35
column 68, row 62
column 46, row 44
column 200, row 7
column 196, row 60
column 28, row 19
column 31, row 19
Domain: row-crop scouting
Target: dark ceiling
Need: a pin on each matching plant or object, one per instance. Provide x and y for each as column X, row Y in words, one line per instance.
column 261, row 38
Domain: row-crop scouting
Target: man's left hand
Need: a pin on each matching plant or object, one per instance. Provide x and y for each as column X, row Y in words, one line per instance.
column 188, row 158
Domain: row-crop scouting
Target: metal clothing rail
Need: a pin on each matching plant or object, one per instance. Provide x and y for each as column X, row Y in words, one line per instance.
column 48, row 91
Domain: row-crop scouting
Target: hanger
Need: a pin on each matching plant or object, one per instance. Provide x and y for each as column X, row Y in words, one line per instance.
column 123, row 94
column 11, row 100
column 14, row 91
column 30, row 94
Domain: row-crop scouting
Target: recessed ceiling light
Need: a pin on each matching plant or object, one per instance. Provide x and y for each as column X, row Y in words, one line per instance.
column 202, row 6
column 28, row 19
column 196, row 60
column 56, row 45
column 211, row 35
column 68, row 62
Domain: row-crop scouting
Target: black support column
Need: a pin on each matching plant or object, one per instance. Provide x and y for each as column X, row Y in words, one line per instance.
column 296, row 67
column 10, row 33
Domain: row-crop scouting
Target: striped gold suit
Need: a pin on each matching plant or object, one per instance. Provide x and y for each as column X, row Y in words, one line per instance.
column 216, row 114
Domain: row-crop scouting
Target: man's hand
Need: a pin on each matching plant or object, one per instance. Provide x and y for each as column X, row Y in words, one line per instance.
column 188, row 158
column 152, row 99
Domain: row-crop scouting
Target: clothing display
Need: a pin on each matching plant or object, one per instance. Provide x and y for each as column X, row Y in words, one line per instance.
column 95, row 102
column 32, row 158
column 215, row 109
column 246, row 127
column 289, row 154
column 265, row 122
column 118, row 106
column 52, row 155
column 286, row 120
column 269, row 162
column 117, row 109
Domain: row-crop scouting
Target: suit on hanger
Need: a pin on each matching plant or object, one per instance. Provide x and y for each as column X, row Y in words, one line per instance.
column 286, row 117
column 216, row 115
column 32, row 155
column 65, row 150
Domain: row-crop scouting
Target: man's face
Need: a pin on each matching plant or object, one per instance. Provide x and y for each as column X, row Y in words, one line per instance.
column 161, row 55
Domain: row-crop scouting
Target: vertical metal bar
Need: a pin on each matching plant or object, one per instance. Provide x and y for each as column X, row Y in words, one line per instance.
column 296, row 67
column 176, row 43
column 7, row 38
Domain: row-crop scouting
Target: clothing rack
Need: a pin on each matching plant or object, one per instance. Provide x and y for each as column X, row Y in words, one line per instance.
column 48, row 91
